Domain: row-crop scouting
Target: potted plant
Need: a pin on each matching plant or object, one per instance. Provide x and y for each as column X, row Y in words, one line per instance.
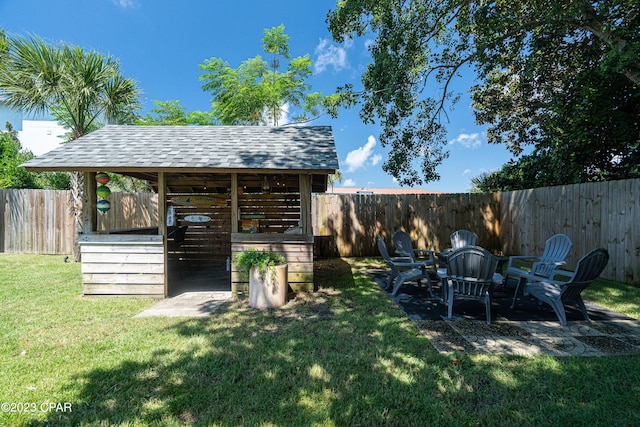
column 267, row 273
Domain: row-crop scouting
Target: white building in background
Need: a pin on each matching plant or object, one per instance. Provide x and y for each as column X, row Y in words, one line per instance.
column 36, row 132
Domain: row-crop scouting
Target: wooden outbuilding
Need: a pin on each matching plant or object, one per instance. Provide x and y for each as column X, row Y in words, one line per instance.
column 232, row 187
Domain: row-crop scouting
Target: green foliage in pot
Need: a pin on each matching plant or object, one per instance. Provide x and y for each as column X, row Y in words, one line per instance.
column 260, row 259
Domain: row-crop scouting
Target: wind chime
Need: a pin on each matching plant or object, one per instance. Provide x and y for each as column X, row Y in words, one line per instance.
column 103, row 192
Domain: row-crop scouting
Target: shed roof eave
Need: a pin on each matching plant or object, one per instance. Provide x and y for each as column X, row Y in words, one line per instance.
column 121, row 169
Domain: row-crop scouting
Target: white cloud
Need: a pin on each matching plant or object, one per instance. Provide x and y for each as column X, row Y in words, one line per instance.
column 331, row 55
column 358, row 158
column 368, row 43
column 467, row 140
column 466, row 172
column 349, row 183
column 126, row 4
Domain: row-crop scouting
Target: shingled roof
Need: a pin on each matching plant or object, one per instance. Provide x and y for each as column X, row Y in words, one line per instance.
column 195, row 148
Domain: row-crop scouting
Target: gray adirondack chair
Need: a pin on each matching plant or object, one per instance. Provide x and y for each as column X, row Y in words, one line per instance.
column 556, row 250
column 470, row 273
column 404, row 247
column 557, row 293
column 403, row 269
column 459, row 239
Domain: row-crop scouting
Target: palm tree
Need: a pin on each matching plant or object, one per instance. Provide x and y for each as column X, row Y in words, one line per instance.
column 82, row 89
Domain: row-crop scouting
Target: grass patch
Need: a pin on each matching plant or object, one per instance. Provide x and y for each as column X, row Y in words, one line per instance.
column 345, row 355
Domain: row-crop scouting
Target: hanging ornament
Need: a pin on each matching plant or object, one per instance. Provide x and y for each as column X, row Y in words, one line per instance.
column 103, row 191
column 102, row 178
column 103, row 205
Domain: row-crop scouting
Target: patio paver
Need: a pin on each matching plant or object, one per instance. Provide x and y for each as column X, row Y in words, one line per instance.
column 527, row 331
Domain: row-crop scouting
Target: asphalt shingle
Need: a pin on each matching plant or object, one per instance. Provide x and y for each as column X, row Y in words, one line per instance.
column 122, row 148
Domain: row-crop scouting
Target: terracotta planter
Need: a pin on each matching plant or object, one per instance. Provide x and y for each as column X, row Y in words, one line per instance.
column 270, row 292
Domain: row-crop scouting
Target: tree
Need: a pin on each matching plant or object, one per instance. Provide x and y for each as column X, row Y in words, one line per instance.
column 258, row 93
column 81, row 88
column 12, row 175
column 525, row 53
column 335, row 177
column 171, row 113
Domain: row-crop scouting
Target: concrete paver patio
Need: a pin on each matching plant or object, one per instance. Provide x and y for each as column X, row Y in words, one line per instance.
column 526, row 331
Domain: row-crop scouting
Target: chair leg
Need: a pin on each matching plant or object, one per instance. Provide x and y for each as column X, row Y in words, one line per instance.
column 392, row 276
column 558, row 308
column 487, row 303
column 399, row 282
column 521, row 282
column 583, row 308
column 429, row 285
column 450, row 301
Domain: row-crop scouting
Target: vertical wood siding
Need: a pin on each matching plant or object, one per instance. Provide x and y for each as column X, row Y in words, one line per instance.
column 36, row 222
column 354, row 221
column 603, row 214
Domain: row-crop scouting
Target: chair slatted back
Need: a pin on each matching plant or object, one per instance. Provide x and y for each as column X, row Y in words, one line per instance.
column 463, row 238
column 384, row 253
column 556, row 249
column 589, row 268
column 403, row 245
column 470, row 270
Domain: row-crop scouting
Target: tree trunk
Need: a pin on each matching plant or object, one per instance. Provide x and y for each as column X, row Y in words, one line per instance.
column 77, row 184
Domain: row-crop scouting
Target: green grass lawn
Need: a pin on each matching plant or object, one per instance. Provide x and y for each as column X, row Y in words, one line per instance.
column 343, row 356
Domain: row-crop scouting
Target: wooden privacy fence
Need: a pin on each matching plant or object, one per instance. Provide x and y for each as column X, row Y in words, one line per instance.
column 603, row 214
column 353, row 221
column 41, row 221
column 36, row 221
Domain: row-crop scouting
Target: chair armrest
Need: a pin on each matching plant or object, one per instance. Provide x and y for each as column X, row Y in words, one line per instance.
column 552, row 262
column 398, row 259
column 521, row 258
column 426, row 252
column 410, row 264
column 568, row 275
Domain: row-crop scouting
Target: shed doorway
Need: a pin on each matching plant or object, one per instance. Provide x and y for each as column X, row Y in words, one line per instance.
column 199, row 241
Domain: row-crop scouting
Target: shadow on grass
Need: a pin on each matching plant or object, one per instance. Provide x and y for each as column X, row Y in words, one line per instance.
column 344, row 355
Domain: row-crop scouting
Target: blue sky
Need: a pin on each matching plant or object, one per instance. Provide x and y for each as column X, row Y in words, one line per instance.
column 160, row 44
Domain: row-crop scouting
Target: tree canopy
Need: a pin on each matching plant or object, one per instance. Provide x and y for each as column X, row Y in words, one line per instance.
column 171, row 113
column 80, row 88
column 562, row 76
column 13, row 175
column 267, row 93
column 11, row 157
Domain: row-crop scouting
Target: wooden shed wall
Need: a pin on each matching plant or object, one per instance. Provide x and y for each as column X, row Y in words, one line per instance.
column 278, row 211
column 122, row 265
column 296, row 248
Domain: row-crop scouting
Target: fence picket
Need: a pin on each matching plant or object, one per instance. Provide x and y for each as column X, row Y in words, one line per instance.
column 518, row 222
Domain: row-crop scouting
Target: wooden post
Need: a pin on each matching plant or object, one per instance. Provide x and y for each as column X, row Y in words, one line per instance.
column 162, row 225
column 305, row 204
column 234, row 203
